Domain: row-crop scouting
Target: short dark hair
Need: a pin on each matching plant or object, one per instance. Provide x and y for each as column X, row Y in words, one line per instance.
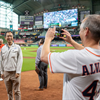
column 41, row 41
column 93, row 23
column 8, row 32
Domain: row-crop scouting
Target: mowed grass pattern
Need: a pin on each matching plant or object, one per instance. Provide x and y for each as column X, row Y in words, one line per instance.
column 28, row 63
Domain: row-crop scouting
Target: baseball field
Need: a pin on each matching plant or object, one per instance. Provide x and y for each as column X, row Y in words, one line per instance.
column 29, row 54
column 30, row 82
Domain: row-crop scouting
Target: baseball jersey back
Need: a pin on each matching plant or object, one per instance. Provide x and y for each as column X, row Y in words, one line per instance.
column 82, row 72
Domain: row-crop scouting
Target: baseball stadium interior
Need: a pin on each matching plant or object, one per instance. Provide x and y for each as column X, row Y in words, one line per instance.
column 30, row 19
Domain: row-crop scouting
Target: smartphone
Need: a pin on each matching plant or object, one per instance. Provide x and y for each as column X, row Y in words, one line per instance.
column 58, row 33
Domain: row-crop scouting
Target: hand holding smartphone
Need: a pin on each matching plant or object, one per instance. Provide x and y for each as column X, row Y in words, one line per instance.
column 58, row 33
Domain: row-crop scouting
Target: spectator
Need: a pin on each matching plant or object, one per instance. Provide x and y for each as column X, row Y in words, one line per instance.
column 11, row 64
column 41, row 68
column 1, row 45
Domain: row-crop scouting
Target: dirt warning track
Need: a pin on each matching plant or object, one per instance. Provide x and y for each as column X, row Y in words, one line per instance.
column 29, row 84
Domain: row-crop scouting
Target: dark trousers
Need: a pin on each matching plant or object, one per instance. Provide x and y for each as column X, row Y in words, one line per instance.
column 0, row 74
column 43, row 77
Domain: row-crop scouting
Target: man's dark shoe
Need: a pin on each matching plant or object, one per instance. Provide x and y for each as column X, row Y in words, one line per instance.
column 45, row 87
column 39, row 89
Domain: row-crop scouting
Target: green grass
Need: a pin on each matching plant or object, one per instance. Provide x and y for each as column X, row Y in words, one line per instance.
column 30, row 47
column 29, row 52
column 29, row 64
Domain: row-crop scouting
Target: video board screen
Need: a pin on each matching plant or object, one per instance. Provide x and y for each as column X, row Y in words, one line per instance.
column 64, row 18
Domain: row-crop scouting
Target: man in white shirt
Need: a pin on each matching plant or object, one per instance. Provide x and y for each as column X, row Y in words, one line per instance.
column 82, row 66
column 11, row 64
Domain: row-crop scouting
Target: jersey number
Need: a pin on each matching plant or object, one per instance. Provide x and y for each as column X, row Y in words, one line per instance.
column 91, row 88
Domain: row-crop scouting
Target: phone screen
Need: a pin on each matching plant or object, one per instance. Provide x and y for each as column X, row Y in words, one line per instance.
column 58, row 33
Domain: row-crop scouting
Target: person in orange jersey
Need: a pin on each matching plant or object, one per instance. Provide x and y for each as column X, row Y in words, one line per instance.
column 1, row 45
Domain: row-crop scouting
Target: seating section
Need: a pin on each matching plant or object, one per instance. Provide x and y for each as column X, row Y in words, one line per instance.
column 19, row 41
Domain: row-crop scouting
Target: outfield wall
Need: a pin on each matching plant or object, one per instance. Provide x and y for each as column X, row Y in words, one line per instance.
column 58, row 45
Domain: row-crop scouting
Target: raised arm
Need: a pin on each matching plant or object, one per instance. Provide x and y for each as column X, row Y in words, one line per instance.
column 69, row 39
column 50, row 36
column 46, row 47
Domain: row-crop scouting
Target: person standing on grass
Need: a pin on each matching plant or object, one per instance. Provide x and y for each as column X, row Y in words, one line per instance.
column 41, row 68
column 11, row 64
column 1, row 45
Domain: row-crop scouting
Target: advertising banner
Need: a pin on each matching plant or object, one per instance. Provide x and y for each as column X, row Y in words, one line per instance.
column 54, row 45
column 83, row 14
column 62, row 45
column 26, row 20
column 16, row 33
column 25, row 33
column 38, row 20
column 75, row 35
column 11, row 27
column 69, row 45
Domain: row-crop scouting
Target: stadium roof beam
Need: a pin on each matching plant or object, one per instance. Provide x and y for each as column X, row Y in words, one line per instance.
column 64, row 1
column 78, row 1
column 52, row 2
column 12, row 2
column 19, row 11
column 91, row 6
column 39, row 2
column 29, row 7
column 25, row 1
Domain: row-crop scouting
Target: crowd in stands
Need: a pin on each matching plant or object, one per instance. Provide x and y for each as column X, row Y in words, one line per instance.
column 28, row 39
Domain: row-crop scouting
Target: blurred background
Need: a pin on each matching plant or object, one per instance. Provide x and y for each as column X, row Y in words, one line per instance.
column 30, row 19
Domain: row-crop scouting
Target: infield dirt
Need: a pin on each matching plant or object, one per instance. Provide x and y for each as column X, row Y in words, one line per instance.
column 29, row 84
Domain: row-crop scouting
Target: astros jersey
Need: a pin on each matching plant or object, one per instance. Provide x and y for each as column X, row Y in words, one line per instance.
column 82, row 72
